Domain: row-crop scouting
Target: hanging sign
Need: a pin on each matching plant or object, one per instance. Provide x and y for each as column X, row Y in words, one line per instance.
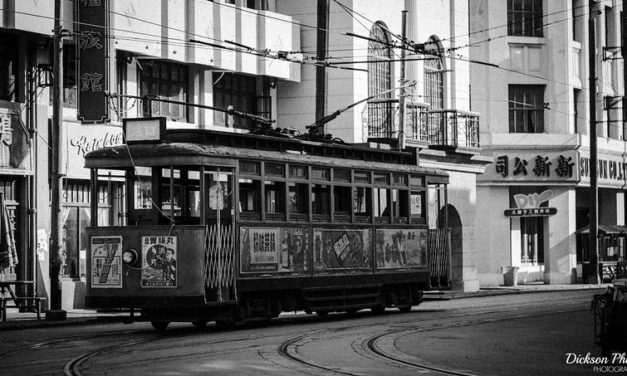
column 93, row 46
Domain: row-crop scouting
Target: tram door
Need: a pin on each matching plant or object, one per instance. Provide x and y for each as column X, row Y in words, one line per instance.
column 219, row 196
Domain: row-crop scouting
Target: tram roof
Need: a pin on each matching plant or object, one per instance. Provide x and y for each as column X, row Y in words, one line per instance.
column 203, row 147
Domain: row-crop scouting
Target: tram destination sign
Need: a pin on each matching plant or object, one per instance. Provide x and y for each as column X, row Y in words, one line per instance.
column 144, row 130
column 530, row 212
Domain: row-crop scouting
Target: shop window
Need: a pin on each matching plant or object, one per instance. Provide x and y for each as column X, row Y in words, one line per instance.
column 298, row 200
column 320, row 173
column 276, row 170
column 320, row 200
column 167, row 81
column 532, row 239
column 362, row 177
column 274, row 199
column 524, row 18
column 362, row 203
column 381, row 178
column 298, row 172
column 249, row 168
column 342, row 203
column 400, row 179
column 526, row 108
column 249, row 198
column 238, row 91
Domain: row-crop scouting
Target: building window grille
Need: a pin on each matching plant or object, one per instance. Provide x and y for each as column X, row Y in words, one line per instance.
column 524, row 18
column 379, row 79
column 166, row 81
column 240, row 92
column 526, row 108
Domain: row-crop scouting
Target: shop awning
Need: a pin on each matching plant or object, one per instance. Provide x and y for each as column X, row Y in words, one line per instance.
column 605, row 230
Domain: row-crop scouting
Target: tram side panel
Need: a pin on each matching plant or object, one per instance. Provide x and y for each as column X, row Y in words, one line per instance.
column 163, row 267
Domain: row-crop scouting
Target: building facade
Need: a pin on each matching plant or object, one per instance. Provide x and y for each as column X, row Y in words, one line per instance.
column 533, row 92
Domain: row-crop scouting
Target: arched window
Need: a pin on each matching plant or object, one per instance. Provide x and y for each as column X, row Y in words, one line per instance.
column 379, row 65
column 434, row 74
column 379, row 80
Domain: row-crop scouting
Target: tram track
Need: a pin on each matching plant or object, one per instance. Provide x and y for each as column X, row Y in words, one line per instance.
column 380, row 347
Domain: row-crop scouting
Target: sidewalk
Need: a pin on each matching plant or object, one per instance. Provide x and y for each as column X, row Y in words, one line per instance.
column 25, row 320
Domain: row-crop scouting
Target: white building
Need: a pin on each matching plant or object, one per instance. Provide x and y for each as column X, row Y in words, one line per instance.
column 535, row 105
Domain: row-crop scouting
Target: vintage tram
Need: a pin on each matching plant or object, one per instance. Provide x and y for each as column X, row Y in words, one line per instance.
column 221, row 226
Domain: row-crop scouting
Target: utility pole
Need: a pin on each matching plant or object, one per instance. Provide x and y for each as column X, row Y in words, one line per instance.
column 56, row 261
column 403, row 91
column 322, row 41
column 593, row 244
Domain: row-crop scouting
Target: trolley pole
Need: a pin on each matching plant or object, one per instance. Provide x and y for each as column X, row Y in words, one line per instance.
column 593, row 245
column 56, row 260
column 403, row 92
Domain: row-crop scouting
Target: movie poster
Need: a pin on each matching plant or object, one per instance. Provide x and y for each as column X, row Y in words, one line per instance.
column 341, row 248
column 106, row 262
column 159, row 255
column 401, row 248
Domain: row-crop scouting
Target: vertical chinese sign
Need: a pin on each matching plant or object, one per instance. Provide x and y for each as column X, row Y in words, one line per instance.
column 93, row 51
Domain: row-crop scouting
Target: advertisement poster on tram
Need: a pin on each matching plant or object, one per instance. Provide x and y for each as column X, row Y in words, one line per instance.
column 401, row 248
column 259, row 249
column 106, row 262
column 281, row 250
column 159, row 255
column 341, row 248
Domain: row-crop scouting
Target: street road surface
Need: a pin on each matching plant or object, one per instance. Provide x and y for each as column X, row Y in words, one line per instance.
column 521, row 334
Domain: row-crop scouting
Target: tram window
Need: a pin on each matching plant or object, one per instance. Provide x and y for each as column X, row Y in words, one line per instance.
column 342, row 203
column 298, row 195
column 193, row 201
column 143, row 192
column 400, row 179
column 400, row 206
column 320, row 199
column 249, row 168
column 274, row 192
column 381, row 178
column 219, row 193
column 298, row 172
column 417, row 207
column 273, row 169
column 343, row 176
column 320, row 173
column 417, row 181
column 171, row 201
column 249, row 194
column 381, row 203
column 362, row 177
column 362, row 203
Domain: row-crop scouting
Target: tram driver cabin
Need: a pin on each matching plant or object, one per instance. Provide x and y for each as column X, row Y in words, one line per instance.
column 224, row 226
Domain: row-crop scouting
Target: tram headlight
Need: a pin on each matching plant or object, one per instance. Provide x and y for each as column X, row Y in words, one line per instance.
column 130, row 256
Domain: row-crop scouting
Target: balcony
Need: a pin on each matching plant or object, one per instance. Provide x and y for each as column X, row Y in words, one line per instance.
column 453, row 128
column 437, row 128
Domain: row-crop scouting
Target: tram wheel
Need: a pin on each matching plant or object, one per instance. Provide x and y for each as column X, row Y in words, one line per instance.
column 405, row 308
column 160, row 326
column 199, row 323
column 322, row 313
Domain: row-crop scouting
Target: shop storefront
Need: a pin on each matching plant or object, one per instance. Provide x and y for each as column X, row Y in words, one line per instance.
column 77, row 197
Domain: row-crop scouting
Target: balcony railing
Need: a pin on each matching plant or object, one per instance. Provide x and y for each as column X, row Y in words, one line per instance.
column 452, row 128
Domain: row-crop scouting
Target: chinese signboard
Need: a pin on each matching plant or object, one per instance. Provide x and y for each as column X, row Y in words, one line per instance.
column 106, row 262
column 534, row 166
column 14, row 139
column 159, row 254
column 92, row 43
column 401, row 248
